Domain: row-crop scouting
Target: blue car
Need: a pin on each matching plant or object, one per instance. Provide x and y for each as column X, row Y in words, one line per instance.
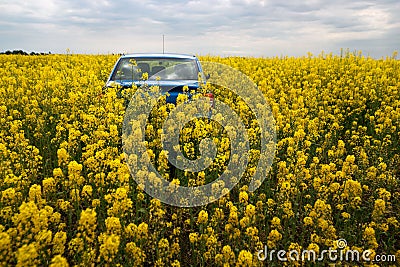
column 171, row 72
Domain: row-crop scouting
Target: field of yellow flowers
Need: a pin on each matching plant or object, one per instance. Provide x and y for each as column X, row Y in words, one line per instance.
column 68, row 199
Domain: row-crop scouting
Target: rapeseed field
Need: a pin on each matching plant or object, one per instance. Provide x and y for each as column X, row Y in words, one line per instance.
column 67, row 197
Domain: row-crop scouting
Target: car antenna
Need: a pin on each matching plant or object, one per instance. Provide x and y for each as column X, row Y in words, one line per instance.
column 163, row 43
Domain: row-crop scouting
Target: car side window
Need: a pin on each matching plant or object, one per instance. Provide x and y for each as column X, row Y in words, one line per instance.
column 185, row 71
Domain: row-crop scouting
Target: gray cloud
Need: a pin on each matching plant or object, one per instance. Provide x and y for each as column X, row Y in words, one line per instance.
column 242, row 27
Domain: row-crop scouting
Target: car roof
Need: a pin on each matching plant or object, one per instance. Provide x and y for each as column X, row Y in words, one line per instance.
column 160, row 55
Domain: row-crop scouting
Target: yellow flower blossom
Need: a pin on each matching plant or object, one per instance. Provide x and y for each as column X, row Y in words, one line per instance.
column 143, row 229
column 63, row 156
column 59, row 241
column 250, row 210
column 203, row 217
column 113, row 225
column 137, row 255
column 243, row 197
column 88, row 224
column 74, row 173
column 352, row 189
column 193, row 237
column 245, row 258
column 48, row 185
column 27, row 255
column 308, row 221
column 87, row 191
column 379, row 208
column 59, row 261
column 273, row 237
column 109, row 247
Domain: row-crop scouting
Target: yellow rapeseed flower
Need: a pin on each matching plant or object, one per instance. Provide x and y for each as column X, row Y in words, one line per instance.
column 203, row 217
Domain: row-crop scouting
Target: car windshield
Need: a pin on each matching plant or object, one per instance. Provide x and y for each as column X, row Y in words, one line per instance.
column 129, row 69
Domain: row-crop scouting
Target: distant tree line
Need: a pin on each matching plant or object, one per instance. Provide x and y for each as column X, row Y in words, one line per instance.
column 21, row 52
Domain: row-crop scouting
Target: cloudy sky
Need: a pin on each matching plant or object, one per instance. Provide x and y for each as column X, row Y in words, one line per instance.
column 217, row 27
